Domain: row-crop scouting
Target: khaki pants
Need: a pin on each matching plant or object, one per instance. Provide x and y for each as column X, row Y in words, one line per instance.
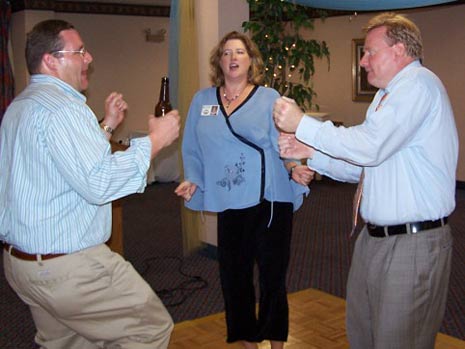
column 89, row 299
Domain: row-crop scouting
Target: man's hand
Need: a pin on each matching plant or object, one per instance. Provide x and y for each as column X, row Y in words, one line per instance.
column 115, row 106
column 291, row 148
column 287, row 114
column 163, row 131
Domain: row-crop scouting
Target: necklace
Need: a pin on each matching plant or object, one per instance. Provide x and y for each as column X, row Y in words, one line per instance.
column 230, row 100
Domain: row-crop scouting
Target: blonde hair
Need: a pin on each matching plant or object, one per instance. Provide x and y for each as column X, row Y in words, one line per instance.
column 255, row 74
column 399, row 29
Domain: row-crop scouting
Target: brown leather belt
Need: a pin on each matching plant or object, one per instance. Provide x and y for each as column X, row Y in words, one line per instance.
column 409, row 228
column 28, row 257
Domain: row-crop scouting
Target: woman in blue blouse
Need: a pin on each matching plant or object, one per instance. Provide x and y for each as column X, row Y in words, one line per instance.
column 232, row 167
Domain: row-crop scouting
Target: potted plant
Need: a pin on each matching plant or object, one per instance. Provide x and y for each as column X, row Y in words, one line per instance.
column 275, row 26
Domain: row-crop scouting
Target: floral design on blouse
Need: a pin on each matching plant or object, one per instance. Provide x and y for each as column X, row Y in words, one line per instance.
column 233, row 174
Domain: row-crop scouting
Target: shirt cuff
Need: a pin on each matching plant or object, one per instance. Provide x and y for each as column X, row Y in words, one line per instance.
column 143, row 147
column 319, row 162
column 307, row 130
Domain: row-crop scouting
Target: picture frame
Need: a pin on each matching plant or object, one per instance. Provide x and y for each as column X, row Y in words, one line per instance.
column 362, row 91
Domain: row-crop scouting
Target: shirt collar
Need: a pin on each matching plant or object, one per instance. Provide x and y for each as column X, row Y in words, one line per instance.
column 44, row 78
column 401, row 73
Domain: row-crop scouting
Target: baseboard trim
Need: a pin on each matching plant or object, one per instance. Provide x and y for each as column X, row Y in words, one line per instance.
column 209, row 251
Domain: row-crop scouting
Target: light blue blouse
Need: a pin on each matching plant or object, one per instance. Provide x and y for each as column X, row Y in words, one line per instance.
column 235, row 160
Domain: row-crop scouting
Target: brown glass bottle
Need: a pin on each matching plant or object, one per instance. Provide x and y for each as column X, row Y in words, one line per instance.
column 163, row 106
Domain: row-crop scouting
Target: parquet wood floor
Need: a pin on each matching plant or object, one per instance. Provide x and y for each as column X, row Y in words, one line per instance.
column 317, row 321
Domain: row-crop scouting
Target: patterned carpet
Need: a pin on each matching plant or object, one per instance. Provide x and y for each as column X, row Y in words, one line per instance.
column 189, row 286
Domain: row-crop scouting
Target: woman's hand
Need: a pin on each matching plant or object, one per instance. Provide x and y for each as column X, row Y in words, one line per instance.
column 186, row 189
column 302, row 174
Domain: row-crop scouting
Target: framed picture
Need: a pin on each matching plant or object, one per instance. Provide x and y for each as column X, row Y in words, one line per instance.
column 361, row 89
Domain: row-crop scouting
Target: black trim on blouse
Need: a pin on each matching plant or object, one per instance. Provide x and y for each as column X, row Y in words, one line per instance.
column 245, row 140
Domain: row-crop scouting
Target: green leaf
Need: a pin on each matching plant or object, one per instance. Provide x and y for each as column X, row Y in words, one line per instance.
column 275, row 27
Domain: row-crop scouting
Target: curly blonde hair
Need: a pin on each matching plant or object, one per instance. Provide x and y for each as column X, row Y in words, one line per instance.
column 255, row 73
column 399, row 29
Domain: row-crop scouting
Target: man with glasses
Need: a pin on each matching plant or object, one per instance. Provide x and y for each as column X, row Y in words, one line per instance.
column 58, row 179
column 405, row 156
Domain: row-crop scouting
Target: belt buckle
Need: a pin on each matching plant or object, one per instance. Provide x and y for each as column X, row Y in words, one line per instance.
column 386, row 230
column 413, row 228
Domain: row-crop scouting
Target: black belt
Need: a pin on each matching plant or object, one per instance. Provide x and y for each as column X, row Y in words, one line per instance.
column 379, row 231
column 29, row 257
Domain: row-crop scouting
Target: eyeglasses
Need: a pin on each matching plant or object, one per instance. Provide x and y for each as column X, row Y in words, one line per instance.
column 82, row 52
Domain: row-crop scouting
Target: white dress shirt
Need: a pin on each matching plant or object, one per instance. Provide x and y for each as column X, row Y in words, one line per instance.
column 408, row 148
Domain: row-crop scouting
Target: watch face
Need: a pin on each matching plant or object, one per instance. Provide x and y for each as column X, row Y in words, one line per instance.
column 107, row 129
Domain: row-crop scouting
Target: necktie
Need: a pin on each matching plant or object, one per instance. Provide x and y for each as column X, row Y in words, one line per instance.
column 356, row 203
column 359, row 191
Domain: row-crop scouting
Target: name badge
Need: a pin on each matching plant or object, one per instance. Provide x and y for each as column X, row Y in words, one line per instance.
column 210, row 110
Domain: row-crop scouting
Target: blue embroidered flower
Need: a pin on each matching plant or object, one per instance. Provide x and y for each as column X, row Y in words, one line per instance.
column 233, row 174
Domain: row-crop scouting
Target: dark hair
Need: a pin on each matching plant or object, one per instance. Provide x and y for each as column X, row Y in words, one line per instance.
column 44, row 38
column 255, row 74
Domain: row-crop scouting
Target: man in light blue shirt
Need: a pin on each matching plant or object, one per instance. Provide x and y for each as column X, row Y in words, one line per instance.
column 58, row 179
column 405, row 156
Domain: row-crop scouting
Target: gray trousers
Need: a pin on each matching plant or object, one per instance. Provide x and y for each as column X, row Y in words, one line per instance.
column 397, row 289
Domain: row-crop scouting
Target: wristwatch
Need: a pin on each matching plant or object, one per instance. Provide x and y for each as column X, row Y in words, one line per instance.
column 107, row 128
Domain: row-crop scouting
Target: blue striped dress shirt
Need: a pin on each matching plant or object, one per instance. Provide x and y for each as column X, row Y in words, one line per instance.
column 58, row 176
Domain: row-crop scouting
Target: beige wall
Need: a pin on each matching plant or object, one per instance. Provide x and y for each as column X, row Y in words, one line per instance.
column 228, row 15
column 444, row 43
column 123, row 60
column 214, row 20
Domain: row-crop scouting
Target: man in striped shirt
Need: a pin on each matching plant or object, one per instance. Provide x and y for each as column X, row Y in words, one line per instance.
column 58, row 179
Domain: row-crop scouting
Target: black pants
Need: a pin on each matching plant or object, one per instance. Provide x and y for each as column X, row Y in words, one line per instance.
column 243, row 239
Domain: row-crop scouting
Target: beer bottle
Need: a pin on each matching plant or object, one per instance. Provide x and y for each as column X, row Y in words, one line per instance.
column 163, row 106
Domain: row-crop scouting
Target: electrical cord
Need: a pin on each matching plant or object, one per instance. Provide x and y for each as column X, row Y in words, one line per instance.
column 175, row 296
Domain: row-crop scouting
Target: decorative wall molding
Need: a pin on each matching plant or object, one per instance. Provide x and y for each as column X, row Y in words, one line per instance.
column 91, row 7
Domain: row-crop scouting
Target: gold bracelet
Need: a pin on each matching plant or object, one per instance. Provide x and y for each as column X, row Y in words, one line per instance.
column 107, row 128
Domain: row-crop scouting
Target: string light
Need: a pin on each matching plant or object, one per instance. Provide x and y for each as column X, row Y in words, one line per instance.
column 355, row 16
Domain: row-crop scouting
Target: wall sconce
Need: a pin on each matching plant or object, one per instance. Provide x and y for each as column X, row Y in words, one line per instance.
column 158, row 36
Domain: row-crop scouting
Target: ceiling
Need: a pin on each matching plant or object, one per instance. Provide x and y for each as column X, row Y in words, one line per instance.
column 131, row 2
